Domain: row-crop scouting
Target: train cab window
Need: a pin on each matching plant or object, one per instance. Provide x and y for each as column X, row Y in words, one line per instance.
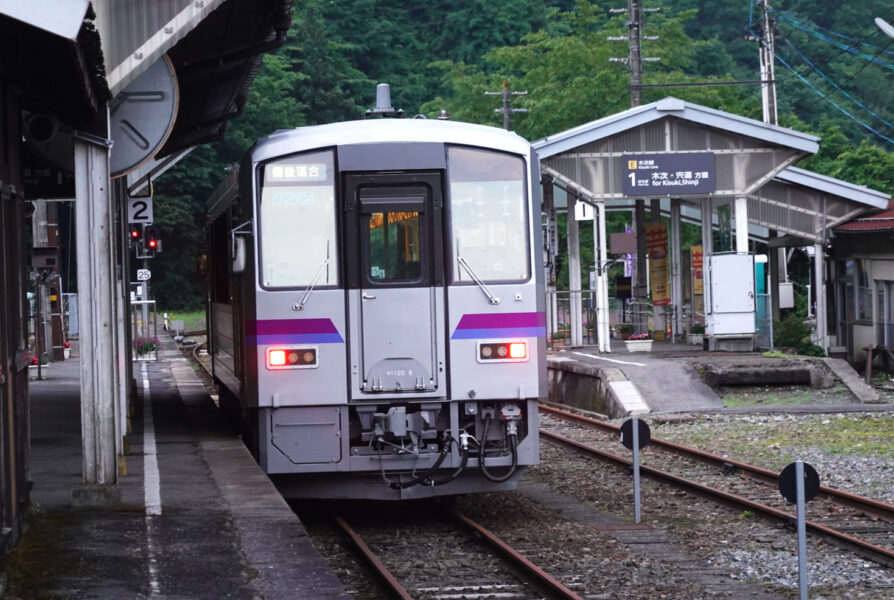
column 394, row 246
column 298, row 222
column 488, row 216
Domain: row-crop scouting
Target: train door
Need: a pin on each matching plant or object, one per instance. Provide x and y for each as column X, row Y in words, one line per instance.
column 396, row 273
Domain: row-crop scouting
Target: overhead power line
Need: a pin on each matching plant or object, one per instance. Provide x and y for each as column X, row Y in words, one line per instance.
column 847, row 48
column 835, row 85
column 791, row 18
column 830, row 101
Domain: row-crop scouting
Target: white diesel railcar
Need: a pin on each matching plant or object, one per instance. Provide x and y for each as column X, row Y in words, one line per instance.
column 376, row 307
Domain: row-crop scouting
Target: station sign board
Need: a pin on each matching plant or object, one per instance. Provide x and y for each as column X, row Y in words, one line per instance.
column 674, row 174
column 139, row 210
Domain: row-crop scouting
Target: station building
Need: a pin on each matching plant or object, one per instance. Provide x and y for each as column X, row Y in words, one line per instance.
column 97, row 99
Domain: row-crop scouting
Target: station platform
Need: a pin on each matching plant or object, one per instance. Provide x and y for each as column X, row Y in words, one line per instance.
column 196, row 517
column 673, row 378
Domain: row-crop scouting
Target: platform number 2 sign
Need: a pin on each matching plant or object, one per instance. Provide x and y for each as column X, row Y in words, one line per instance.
column 139, row 210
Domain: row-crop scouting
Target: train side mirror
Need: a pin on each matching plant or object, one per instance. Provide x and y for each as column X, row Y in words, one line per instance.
column 238, row 257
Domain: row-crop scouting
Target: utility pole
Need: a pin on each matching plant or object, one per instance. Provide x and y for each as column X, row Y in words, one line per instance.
column 507, row 94
column 635, row 61
column 767, row 44
column 634, row 38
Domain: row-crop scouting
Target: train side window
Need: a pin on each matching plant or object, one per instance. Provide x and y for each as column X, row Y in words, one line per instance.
column 298, row 222
column 488, row 215
column 394, row 246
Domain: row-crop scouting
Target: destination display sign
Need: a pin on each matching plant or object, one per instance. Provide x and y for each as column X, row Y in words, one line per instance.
column 683, row 174
column 294, row 173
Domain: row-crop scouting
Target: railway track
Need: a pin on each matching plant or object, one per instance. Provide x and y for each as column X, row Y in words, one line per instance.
column 861, row 524
column 490, row 568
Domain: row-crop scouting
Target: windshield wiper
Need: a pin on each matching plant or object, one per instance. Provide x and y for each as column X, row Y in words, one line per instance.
column 490, row 296
column 300, row 304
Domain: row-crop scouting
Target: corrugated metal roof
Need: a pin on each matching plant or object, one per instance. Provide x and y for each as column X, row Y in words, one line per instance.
column 837, row 187
column 674, row 107
column 136, row 33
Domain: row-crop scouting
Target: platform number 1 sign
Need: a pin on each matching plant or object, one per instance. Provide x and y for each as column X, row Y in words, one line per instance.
column 139, row 210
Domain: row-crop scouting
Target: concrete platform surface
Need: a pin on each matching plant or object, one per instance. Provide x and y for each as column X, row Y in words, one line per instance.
column 674, row 378
column 214, row 527
column 664, row 385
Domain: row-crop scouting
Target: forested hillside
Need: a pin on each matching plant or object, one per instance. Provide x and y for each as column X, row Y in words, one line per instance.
column 445, row 54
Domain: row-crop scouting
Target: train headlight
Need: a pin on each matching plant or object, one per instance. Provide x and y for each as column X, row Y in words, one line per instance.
column 292, row 357
column 514, row 351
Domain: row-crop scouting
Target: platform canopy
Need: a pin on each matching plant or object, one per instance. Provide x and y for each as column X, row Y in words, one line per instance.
column 747, row 153
column 803, row 205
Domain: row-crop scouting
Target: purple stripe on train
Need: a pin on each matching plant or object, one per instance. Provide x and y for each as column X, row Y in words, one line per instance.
column 291, row 331
column 500, row 325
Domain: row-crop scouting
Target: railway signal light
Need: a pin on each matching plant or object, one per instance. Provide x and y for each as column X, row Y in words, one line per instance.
column 151, row 238
column 136, row 231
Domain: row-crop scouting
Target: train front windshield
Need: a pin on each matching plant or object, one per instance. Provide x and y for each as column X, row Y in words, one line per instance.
column 488, row 216
column 488, row 222
column 298, row 221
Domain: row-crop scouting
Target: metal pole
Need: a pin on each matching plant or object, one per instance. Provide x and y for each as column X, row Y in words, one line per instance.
column 640, row 290
column 770, row 302
column 574, row 281
column 636, row 506
column 144, row 331
column 635, row 59
column 802, row 530
column 506, row 105
column 819, row 269
column 602, row 300
column 38, row 327
column 768, row 73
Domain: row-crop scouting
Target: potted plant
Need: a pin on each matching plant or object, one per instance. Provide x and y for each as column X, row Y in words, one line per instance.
column 143, row 346
column 625, row 330
column 695, row 335
column 639, row 342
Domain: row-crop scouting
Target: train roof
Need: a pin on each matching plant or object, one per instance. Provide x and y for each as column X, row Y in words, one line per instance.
column 388, row 130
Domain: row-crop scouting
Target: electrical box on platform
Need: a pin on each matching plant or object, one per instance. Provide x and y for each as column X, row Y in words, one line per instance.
column 732, row 295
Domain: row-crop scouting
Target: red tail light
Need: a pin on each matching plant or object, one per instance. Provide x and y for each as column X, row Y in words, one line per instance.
column 502, row 351
column 292, row 357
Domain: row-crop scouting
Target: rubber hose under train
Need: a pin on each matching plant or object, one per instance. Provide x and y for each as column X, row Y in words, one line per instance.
column 513, row 447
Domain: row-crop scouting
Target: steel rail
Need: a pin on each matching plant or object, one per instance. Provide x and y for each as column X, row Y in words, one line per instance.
column 876, row 508
column 875, row 553
column 381, row 570
column 195, row 357
column 540, row 578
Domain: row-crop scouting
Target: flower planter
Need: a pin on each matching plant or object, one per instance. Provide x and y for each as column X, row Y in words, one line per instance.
column 694, row 339
column 638, row 345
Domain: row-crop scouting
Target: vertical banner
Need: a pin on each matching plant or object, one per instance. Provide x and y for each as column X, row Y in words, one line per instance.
column 656, row 249
column 697, row 260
